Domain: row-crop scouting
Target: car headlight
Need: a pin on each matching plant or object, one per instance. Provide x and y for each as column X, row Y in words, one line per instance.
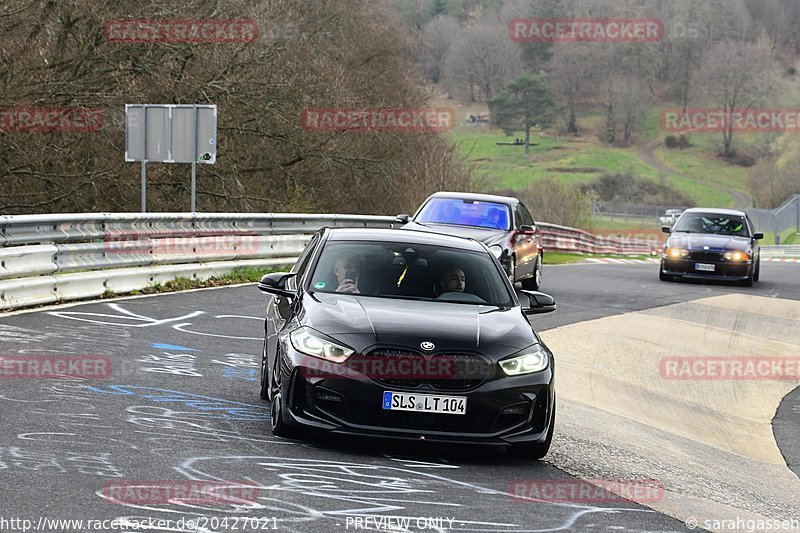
column 533, row 359
column 737, row 256
column 308, row 342
column 676, row 252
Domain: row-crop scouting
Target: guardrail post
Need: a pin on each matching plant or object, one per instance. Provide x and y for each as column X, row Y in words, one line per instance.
column 797, row 202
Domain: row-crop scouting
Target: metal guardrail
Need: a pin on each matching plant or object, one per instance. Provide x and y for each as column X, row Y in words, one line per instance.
column 566, row 239
column 54, row 258
column 627, row 211
column 792, row 250
column 779, row 220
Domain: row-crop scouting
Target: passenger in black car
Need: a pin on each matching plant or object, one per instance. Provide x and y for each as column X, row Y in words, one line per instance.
column 346, row 269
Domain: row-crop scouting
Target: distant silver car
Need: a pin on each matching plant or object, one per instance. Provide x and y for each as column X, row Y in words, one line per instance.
column 670, row 217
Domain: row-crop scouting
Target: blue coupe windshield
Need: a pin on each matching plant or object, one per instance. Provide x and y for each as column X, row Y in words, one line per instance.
column 465, row 213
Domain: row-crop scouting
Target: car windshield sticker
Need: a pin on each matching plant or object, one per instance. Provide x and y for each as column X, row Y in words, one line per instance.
column 320, row 285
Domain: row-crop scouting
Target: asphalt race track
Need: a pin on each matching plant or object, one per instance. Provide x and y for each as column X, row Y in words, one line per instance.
column 181, row 403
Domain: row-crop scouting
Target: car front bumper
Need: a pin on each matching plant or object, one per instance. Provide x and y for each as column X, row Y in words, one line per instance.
column 503, row 410
column 723, row 270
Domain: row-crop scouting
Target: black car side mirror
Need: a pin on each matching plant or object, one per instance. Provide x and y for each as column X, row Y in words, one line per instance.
column 275, row 283
column 527, row 227
column 666, row 229
column 403, row 219
column 538, row 302
column 758, row 236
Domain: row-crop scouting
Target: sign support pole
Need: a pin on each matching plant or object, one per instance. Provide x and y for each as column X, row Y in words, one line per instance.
column 144, row 159
column 194, row 152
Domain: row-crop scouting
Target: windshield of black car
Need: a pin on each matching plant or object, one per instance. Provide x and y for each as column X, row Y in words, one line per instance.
column 710, row 223
column 410, row 271
column 457, row 211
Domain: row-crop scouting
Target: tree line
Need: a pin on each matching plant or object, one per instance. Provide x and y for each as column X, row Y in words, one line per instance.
column 324, row 54
column 732, row 55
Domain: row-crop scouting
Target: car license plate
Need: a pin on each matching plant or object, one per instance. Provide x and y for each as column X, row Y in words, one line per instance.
column 704, row 266
column 424, row 403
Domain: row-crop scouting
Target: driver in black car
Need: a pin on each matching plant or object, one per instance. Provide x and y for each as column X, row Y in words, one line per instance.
column 453, row 280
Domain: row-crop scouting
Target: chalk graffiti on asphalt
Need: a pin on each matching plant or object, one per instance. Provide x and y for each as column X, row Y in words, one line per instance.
column 123, row 317
column 179, row 364
column 126, row 318
column 96, row 463
column 207, row 406
column 334, row 490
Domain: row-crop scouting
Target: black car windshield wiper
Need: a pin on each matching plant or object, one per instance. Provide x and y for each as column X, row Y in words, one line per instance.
column 402, row 297
column 427, row 299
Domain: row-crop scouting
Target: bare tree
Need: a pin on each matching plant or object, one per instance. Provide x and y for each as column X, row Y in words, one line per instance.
column 736, row 77
column 624, row 93
column 632, row 101
column 436, row 40
column 322, row 54
column 775, row 177
column 481, row 61
column 556, row 202
column 572, row 77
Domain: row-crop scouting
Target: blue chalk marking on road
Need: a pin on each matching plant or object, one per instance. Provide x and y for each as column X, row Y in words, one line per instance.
column 205, row 406
column 172, row 347
column 246, row 374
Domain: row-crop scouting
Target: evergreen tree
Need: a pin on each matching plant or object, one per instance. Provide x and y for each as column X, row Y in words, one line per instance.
column 524, row 103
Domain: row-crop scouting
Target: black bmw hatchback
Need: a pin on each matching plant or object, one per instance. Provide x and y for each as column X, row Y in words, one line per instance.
column 712, row 244
column 407, row 335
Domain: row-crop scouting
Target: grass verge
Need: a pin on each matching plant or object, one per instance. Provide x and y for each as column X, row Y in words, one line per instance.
column 562, row 258
column 237, row 275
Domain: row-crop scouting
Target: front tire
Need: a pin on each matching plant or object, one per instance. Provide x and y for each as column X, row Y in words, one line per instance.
column 277, row 423
column 662, row 276
column 278, row 426
column 758, row 270
column 533, row 283
column 266, row 393
column 536, row 450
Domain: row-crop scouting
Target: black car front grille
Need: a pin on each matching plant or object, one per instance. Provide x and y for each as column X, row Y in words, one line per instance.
column 441, row 371
column 705, row 256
